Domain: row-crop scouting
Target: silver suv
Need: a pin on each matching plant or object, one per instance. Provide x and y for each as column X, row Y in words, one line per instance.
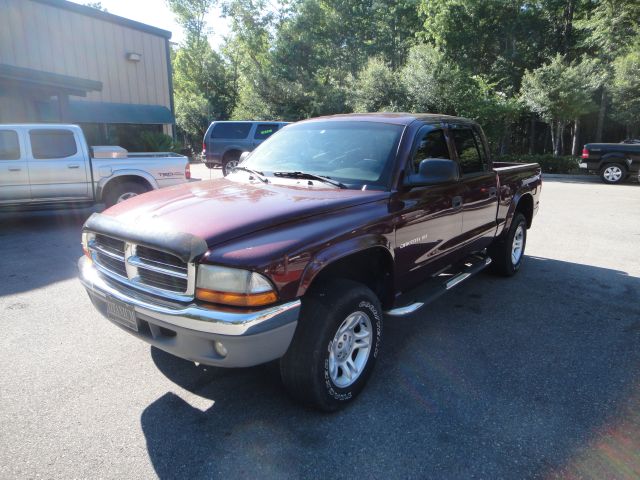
column 225, row 141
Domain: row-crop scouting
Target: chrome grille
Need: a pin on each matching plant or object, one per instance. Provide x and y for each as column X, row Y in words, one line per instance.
column 142, row 267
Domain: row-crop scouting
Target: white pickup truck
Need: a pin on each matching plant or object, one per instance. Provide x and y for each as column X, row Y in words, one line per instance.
column 43, row 164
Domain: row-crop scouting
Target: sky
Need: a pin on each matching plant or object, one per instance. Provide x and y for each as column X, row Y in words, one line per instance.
column 157, row 14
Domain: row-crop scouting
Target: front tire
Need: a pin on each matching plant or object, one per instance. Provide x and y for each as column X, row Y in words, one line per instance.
column 507, row 254
column 335, row 346
column 613, row 173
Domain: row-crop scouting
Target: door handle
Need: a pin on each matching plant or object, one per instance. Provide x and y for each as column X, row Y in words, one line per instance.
column 73, row 165
column 456, row 202
column 14, row 169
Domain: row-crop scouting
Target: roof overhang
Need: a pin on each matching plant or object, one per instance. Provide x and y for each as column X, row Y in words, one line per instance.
column 27, row 77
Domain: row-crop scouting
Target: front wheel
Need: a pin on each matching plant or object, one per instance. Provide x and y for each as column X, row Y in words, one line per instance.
column 507, row 254
column 613, row 173
column 335, row 345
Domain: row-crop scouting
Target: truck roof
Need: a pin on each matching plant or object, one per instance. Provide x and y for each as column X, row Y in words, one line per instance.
column 38, row 125
column 398, row 118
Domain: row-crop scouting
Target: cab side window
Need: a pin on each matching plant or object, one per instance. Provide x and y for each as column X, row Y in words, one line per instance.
column 431, row 145
column 52, row 143
column 9, row 146
column 468, row 151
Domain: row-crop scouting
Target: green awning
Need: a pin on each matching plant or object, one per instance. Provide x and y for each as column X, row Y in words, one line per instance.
column 54, row 81
column 99, row 112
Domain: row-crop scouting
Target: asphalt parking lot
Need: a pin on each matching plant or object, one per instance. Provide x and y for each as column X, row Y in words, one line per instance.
column 537, row 376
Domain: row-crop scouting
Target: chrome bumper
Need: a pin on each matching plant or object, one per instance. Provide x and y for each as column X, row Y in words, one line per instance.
column 194, row 332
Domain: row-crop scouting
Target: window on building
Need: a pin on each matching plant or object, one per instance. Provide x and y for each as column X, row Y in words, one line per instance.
column 431, row 145
column 265, row 130
column 468, row 153
column 52, row 143
column 231, row 130
column 9, row 146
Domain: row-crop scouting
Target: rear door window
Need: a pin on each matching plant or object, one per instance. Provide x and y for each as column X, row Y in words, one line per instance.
column 231, row 130
column 265, row 130
column 52, row 144
column 468, row 151
column 9, row 146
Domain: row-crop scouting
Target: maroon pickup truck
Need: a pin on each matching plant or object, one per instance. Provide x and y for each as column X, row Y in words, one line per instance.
column 329, row 225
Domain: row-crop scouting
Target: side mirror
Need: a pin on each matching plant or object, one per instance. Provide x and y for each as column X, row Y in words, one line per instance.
column 243, row 156
column 433, row 171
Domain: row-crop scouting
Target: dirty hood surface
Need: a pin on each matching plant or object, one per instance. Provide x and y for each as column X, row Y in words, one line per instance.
column 221, row 210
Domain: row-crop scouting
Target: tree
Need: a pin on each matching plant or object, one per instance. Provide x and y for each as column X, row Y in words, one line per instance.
column 203, row 86
column 609, row 30
column 377, row 88
column 626, row 91
column 560, row 92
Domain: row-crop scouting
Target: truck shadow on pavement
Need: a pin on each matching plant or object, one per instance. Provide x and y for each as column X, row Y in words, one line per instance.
column 533, row 376
column 32, row 260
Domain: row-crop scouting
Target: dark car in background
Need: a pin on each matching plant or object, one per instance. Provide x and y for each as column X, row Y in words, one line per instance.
column 614, row 162
column 225, row 141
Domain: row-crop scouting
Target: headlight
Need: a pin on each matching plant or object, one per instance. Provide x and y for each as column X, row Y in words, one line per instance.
column 232, row 286
column 86, row 238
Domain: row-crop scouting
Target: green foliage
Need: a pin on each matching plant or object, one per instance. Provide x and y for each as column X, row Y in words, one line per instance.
column 626, row 90
column 610, row 27
column 548, row 163
column 561, row 92
column 377, row 88
column 504, row 64
column 202, row 80
column 159, row 142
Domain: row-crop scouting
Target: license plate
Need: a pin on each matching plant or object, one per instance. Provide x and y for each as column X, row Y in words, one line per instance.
column 122, row 313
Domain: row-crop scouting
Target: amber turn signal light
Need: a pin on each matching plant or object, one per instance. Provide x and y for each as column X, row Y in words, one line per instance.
column 236, row 299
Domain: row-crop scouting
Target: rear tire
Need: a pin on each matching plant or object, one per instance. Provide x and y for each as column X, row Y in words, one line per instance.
column 507, row 253
column 613, row 173
column 123, row 191
column 335, row 345
column 229, row 162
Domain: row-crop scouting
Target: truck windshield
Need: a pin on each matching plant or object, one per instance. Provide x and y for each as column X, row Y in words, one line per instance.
column 353, row 153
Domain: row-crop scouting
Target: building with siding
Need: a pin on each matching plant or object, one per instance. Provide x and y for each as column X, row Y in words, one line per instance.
column 65, row 62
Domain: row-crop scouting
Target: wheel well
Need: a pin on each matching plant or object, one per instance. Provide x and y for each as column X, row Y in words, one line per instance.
column 617, row 160
column 373, row 267
column 525, row 206
column 230, row 154
column 111, row 184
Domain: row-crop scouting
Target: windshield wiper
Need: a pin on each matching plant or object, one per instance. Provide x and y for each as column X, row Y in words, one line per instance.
column 310, row 176
column 259, row 175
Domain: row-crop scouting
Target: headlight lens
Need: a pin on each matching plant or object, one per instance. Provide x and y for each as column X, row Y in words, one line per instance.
column 232, row 286
column 86, row 238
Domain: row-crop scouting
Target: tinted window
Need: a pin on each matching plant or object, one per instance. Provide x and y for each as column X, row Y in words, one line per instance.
column 52, row 143
column 468, row 153
column 432, row 145
column 231, row 130
column 483, row 153
column 9, row 147
column 265, row 130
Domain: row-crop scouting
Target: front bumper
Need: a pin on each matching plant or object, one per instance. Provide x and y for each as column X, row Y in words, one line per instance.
column 192, row 331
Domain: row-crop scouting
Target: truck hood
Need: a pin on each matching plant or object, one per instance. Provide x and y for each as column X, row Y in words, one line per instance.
column 221, row 210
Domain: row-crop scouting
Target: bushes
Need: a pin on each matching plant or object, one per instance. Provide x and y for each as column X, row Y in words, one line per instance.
column 548, row 162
